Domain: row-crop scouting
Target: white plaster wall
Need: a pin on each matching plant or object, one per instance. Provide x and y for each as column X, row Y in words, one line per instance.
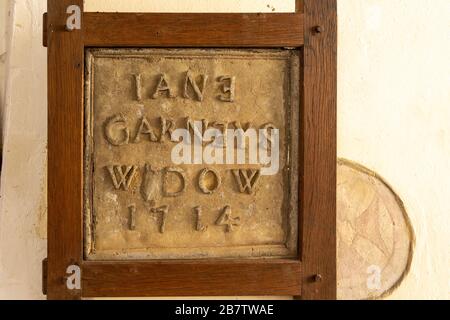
column 393, row 116
column 23, row 195
column 3, row 18
column 190, row 5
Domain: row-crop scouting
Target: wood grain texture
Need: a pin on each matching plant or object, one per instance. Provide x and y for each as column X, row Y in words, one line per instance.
column 299, row 6
column 193, row 29
column 318, row 161
column 157, row 29
column 191, row 278
column 65, row 127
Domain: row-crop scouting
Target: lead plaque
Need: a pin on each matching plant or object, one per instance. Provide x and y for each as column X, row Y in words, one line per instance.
column 191, row 154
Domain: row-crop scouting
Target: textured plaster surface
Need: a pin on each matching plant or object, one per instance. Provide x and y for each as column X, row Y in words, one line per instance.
column 190, row 6
column 393, row 111
column 374, row 237
column 4, row 18
column 23, row 195
column 393, row 117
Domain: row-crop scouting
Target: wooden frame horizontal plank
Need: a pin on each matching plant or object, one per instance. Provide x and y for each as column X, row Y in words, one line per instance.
column 191, row 278
column 192, row 29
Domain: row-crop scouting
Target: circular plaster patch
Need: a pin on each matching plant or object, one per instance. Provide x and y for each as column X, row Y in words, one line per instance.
column 374, row 237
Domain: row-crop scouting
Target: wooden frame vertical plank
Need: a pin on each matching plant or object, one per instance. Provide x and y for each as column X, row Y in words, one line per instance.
column 65, row 128
column 318, row 163
column 299, row 6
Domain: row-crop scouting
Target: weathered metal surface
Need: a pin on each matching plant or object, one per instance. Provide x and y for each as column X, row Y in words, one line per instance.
column 139, row 204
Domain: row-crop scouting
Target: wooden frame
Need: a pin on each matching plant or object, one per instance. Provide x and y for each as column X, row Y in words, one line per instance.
column 312, row 29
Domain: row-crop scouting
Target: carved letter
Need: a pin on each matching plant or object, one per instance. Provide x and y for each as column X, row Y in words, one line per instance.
column 224, row 125
column 246, row 179
column 162, row 87
column 227, row 220
column 213, row 151
column 208, row 186
column 120, row 177
column 228, row 88
column 145, row 128
column 198, row 130
column 163, row 210
column 138, row 87
column 238, row 125
column 132, row 209
column 242, row 138
column 266, row 129
column 167, row 126
column 243, row 134
column 190, row 80
column 111, row 123
column 150, row 185
column 181, row 177
column 269, row 143
column 197, row 127
column 199, row 225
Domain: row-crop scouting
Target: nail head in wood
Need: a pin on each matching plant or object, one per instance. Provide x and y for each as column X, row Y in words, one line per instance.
column 318, row 29
column 318, row 278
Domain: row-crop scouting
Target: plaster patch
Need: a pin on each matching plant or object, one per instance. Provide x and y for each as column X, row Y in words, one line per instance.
column 374, row 236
